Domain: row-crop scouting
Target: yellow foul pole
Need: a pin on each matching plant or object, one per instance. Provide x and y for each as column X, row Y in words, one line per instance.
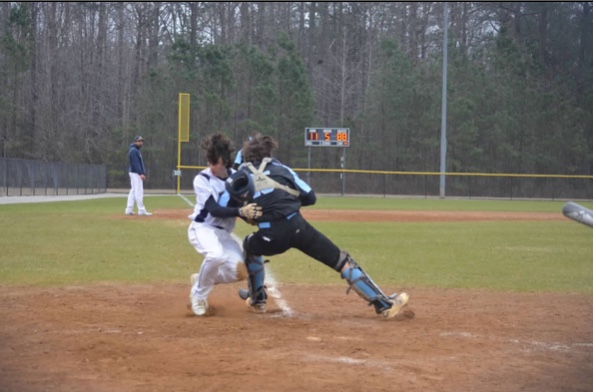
column 183, row 130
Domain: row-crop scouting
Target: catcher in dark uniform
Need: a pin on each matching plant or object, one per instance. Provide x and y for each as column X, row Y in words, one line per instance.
column 280, row 193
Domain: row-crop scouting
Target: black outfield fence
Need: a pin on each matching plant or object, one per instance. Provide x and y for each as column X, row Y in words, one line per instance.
column 23, row 177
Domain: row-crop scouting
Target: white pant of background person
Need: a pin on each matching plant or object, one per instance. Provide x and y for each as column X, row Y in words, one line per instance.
column 136, row 194
column 222, row 253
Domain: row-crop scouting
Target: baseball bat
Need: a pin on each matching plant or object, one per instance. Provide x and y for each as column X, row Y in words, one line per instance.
column 578, row 213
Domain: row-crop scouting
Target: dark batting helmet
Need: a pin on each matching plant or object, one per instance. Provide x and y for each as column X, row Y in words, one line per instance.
column 240, row 186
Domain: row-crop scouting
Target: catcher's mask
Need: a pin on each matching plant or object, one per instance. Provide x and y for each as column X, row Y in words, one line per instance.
column 241, row 186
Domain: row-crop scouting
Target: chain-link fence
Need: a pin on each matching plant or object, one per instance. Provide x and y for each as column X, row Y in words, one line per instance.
column 22, row 177
column 471, row 186
column 464, row 186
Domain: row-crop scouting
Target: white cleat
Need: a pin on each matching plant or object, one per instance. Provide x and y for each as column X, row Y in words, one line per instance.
column 199, row 307
column 129, row 213
column 398, row 304
column 145, row 213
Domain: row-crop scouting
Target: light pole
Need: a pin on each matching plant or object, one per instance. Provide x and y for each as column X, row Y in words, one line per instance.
column 444, row 106
column 4, row 164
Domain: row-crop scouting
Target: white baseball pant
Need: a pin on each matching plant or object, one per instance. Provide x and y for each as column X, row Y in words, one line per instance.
column 222, row 253
column 136, row 194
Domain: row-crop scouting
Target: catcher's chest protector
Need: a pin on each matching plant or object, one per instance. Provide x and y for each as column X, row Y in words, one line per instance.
column 262, row 181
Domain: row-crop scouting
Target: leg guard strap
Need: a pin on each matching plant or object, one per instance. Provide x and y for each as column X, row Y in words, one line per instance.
column 363, row 285
column 256, row 278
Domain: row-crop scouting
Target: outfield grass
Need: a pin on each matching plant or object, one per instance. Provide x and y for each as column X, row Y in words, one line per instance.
column 83, row 242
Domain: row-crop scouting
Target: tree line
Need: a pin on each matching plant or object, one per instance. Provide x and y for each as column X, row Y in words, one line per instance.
column 79, row 79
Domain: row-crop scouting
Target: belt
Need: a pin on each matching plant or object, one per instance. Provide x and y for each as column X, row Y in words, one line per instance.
column 201, row 220
column 267, row 225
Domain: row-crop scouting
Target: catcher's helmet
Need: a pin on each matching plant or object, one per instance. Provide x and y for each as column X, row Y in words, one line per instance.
column 241, row 186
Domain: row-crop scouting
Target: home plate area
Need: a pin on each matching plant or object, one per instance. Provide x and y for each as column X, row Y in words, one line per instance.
column 143, row 338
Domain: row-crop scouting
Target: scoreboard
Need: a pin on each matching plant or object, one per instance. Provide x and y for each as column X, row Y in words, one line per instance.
column 327, row 137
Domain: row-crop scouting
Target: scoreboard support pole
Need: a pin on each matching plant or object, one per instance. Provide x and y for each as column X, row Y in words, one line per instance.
column 343, row 173
column 308, row 172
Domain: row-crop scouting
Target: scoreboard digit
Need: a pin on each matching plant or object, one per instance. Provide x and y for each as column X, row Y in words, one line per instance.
column 327, row 137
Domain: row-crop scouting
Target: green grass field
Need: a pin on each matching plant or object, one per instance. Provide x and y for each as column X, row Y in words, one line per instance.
column 86, row 242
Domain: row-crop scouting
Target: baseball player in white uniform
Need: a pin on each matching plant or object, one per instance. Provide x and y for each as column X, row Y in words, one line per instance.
column 213, row 221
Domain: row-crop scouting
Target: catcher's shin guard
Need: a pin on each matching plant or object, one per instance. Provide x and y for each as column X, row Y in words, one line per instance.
column 363, row 285
column 256, row 279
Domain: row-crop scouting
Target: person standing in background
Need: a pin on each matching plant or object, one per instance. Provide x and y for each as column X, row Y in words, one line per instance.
column 136, row 171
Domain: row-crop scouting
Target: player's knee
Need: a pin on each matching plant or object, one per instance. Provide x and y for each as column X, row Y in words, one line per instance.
column 343, row 262
column 241, row 271
column 218, row 254
column 246, row 246
column 215, row 259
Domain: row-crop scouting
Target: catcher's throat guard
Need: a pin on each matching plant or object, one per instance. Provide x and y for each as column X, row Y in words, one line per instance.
column 363, row 285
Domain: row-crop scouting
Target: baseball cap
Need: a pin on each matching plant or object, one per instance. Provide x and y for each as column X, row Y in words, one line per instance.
column 139, row 138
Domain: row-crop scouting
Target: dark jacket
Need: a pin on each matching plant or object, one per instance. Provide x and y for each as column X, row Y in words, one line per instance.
column 135, row 160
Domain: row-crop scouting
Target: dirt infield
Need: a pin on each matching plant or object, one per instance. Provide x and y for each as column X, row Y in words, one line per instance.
column 142, row 338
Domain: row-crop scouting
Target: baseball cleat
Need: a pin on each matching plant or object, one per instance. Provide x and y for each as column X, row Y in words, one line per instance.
column 259, row 307
column 145, row 213
column 398, row 304
column 129, row 213
column 199, row 306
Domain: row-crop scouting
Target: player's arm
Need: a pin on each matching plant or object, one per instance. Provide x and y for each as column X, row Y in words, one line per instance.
column 235, row 203
column 219, row 211
column 206, row 203
column 223, row 210
column 307, row 196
